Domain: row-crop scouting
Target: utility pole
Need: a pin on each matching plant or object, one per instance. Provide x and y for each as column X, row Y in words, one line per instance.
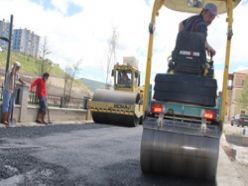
column 9, row 46
column 111, row 54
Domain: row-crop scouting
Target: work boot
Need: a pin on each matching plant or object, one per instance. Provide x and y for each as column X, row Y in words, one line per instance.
column 5, row 119
column 8, row 116
column 39, row 118
column 43, row 119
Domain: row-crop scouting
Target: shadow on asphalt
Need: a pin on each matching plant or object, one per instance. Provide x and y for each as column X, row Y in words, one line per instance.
column 129, row 173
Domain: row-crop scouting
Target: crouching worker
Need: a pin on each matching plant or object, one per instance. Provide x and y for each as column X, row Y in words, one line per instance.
column 40, row 84
column 8, row 92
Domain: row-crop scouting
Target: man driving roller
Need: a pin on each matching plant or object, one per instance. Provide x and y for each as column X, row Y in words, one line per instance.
column 200, row 22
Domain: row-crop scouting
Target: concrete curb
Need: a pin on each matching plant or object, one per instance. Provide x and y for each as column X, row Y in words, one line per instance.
column 228, row 149
column 33, row 124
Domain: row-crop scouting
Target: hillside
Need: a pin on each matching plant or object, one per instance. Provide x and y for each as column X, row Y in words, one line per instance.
column 30, row 65
column 31, row 68
column 93, row 85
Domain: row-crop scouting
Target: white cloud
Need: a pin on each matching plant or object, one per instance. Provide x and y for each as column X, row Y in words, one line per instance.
column 85, row 35
column 219, row 78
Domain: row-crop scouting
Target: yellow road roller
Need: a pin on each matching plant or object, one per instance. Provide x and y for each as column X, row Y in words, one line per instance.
column 124, row 104
column 184, row 120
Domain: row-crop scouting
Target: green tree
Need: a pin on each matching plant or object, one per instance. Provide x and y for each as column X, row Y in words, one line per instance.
column 243, row 97
column 46, row 64
column 70, row 74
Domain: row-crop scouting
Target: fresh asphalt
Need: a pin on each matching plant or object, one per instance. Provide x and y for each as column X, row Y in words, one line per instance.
column 84, row 154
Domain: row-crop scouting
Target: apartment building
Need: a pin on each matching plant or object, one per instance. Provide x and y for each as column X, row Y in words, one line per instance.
column 23, row 40
column 236, row 83
column 26, row 41
column 4, row 32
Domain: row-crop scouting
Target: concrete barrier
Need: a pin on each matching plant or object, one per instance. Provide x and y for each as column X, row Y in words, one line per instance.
column 23, row 112
column 238, row 140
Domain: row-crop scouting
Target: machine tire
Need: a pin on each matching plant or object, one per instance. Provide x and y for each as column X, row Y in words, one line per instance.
column 189, row 83
column 112, row 118
column 185, row 88
column 185, row 98
column 135, row 122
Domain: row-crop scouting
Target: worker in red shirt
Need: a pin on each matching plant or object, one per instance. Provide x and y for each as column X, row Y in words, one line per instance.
column 40, row 84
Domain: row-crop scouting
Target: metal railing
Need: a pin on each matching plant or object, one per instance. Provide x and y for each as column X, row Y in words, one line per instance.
column 53, row 100
column 61, row 102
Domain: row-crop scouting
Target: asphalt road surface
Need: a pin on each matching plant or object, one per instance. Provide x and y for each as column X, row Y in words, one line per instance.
column 87, row 155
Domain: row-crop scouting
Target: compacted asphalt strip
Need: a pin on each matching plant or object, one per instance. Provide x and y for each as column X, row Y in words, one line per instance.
column 86, row 154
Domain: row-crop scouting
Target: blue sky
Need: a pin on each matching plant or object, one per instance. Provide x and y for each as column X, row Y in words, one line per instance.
column 148, row 2
column 245, row 1
column 72, row 8
column 46, row 4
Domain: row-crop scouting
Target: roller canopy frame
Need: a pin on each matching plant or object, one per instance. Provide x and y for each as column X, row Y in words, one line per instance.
column 224, row 6
column 173, row 147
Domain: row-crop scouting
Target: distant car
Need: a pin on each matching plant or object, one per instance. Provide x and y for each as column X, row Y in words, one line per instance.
column 240, row 120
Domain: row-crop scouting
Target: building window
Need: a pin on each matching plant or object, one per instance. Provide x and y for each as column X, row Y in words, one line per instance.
column 242, row 83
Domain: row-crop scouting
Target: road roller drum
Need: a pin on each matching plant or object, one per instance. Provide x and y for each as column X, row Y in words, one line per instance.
column 104, row 95
column 116, row 107
column 176, row 149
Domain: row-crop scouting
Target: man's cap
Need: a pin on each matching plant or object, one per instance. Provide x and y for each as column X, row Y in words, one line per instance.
column 17, row 64
column 212, row 8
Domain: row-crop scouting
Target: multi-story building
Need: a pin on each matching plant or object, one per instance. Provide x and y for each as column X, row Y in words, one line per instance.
column 237, row 80
column 26, row 41
column 23, row 40
column 4, row 32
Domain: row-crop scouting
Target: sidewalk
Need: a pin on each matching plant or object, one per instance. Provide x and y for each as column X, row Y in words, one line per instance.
column 228, row 176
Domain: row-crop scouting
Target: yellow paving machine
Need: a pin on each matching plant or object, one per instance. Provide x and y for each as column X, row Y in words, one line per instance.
column 184, row 120
column 124, row 104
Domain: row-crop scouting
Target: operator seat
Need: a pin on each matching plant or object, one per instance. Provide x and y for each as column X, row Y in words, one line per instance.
column 189, row 55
